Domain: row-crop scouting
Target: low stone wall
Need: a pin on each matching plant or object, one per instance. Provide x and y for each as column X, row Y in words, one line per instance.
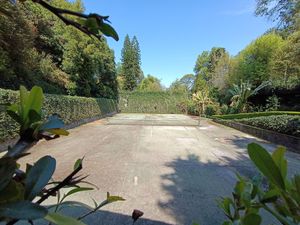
column 291, row 142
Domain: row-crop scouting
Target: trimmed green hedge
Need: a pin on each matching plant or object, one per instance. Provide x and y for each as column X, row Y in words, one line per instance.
column 70, row 108
column 286, row 124
column 256, row 114
column 151, row 102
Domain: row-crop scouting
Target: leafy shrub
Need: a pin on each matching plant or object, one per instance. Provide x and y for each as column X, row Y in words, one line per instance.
column 50, row 77
column 151, row 102
column 273, row 103
column 255, row 114
column 71, row 88
column 285, row 124
column 192, row 108
column 70, row 109
column 278, row 195
column 233, row 110
column 224, row 109
column 257, row 108
column 183, row 106
column 212, row 109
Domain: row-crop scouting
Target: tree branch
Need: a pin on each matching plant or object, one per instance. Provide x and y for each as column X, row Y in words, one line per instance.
column 59, row 13
column 62, row 184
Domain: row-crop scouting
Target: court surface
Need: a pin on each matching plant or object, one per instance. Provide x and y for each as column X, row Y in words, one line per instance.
column 164, row 165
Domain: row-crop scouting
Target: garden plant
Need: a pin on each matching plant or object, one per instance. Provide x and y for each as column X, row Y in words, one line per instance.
column 273, row 192
column 23, row 192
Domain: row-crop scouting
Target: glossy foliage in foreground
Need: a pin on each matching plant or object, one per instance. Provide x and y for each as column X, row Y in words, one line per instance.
column 22, row 192
column 274, row 192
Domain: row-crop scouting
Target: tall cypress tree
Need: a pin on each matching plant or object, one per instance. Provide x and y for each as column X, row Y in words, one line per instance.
column 131, row 63
column 137, row 59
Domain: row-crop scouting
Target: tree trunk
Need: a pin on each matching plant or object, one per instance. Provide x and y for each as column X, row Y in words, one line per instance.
column 199, row 121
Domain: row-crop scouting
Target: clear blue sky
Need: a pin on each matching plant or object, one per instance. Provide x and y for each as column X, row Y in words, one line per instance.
column 172, row 33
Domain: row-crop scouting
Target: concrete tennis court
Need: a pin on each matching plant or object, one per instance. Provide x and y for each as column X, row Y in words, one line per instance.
column 164, row 165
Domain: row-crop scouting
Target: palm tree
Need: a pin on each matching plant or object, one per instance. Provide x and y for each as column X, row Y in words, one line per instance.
column 241, row 93
column 202, row 99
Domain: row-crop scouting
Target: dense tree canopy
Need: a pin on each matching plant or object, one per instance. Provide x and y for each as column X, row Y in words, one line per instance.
column 202, row 65
column 183, row 85
column 177, row 87
column 150, row 83
column 253, row 63
column 282, row 11
column 212, row 67
column 284, row 65
column 208, row 61
column 272, row 58
column 37, row 48
column 188, row 81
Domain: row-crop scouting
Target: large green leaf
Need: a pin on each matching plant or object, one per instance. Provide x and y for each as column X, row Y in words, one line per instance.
column 239, row 187
column 35, row 99
column 59, row 219
column 246, row 195
column 32, row 100
column 38, row 176
column 278, row 157
column 109, row 31
column 264, row 162
column 7, row 169
column 54, row 122
column 23, row 210
column 270, row 196
column 34, row 116
column 226, row 204
column 58, row 132
column 23, row 101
